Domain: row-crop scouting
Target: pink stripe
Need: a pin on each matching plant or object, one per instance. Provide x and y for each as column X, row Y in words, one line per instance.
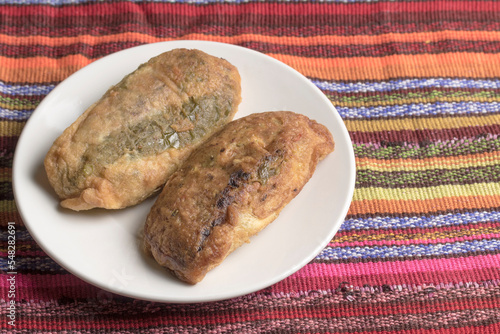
column 314, row 276
column 394, row 267
column 296, row 283
column 413, row 241
column 49, row 287
column 47, row 281
column 52, row 287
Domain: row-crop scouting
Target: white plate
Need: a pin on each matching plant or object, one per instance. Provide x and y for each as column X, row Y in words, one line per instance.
column 101, row 246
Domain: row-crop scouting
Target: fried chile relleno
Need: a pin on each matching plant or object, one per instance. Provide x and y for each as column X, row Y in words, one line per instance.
column 125, row 146
column 230, row 188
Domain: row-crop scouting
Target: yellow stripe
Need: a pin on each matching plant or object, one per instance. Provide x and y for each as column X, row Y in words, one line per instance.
column 7, row 206
column 476, row 189
column 11, row 128
column 5, row 174
column 18, row 105
column 419, row 123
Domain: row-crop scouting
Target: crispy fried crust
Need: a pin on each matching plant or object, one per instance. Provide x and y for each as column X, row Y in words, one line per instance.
column 230, row 188
column 124, row 147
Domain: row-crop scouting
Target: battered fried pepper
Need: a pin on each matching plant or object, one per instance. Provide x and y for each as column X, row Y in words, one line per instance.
column 230, row 188
column 125, row 146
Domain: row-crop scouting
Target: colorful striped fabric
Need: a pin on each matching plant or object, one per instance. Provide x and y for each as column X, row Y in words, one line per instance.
column 417, row 83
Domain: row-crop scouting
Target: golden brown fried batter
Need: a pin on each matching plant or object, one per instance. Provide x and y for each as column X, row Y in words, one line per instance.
column 125, row 146
column 230, row 188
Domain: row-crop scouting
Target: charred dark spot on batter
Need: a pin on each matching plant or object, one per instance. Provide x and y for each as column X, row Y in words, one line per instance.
column 222, row 150
column 235, row 180
column 237, row 177
column 263, row 198
column 205, row 233
column 225, row 199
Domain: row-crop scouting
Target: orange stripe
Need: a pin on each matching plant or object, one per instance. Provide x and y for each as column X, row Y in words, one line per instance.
column 40, row 69
column 477, row 65
column 10, row 216
column 382, row 206
column 459, row 64
column 421, row 37
column 44, row 62
column 476, row 159
column 39, row 75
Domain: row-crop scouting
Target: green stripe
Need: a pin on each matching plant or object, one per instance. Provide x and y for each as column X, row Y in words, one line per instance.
column 426, row 178
column 17, row 103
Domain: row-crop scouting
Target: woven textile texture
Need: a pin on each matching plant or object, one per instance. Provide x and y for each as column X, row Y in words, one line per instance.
column 417, row 84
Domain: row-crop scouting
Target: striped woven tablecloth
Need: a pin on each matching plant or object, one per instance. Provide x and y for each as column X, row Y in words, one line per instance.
column 417, row 84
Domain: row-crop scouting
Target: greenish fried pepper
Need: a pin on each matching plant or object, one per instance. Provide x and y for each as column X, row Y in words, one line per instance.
column 125, row 146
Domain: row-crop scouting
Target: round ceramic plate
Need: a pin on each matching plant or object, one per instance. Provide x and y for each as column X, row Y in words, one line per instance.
column 102, row 247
